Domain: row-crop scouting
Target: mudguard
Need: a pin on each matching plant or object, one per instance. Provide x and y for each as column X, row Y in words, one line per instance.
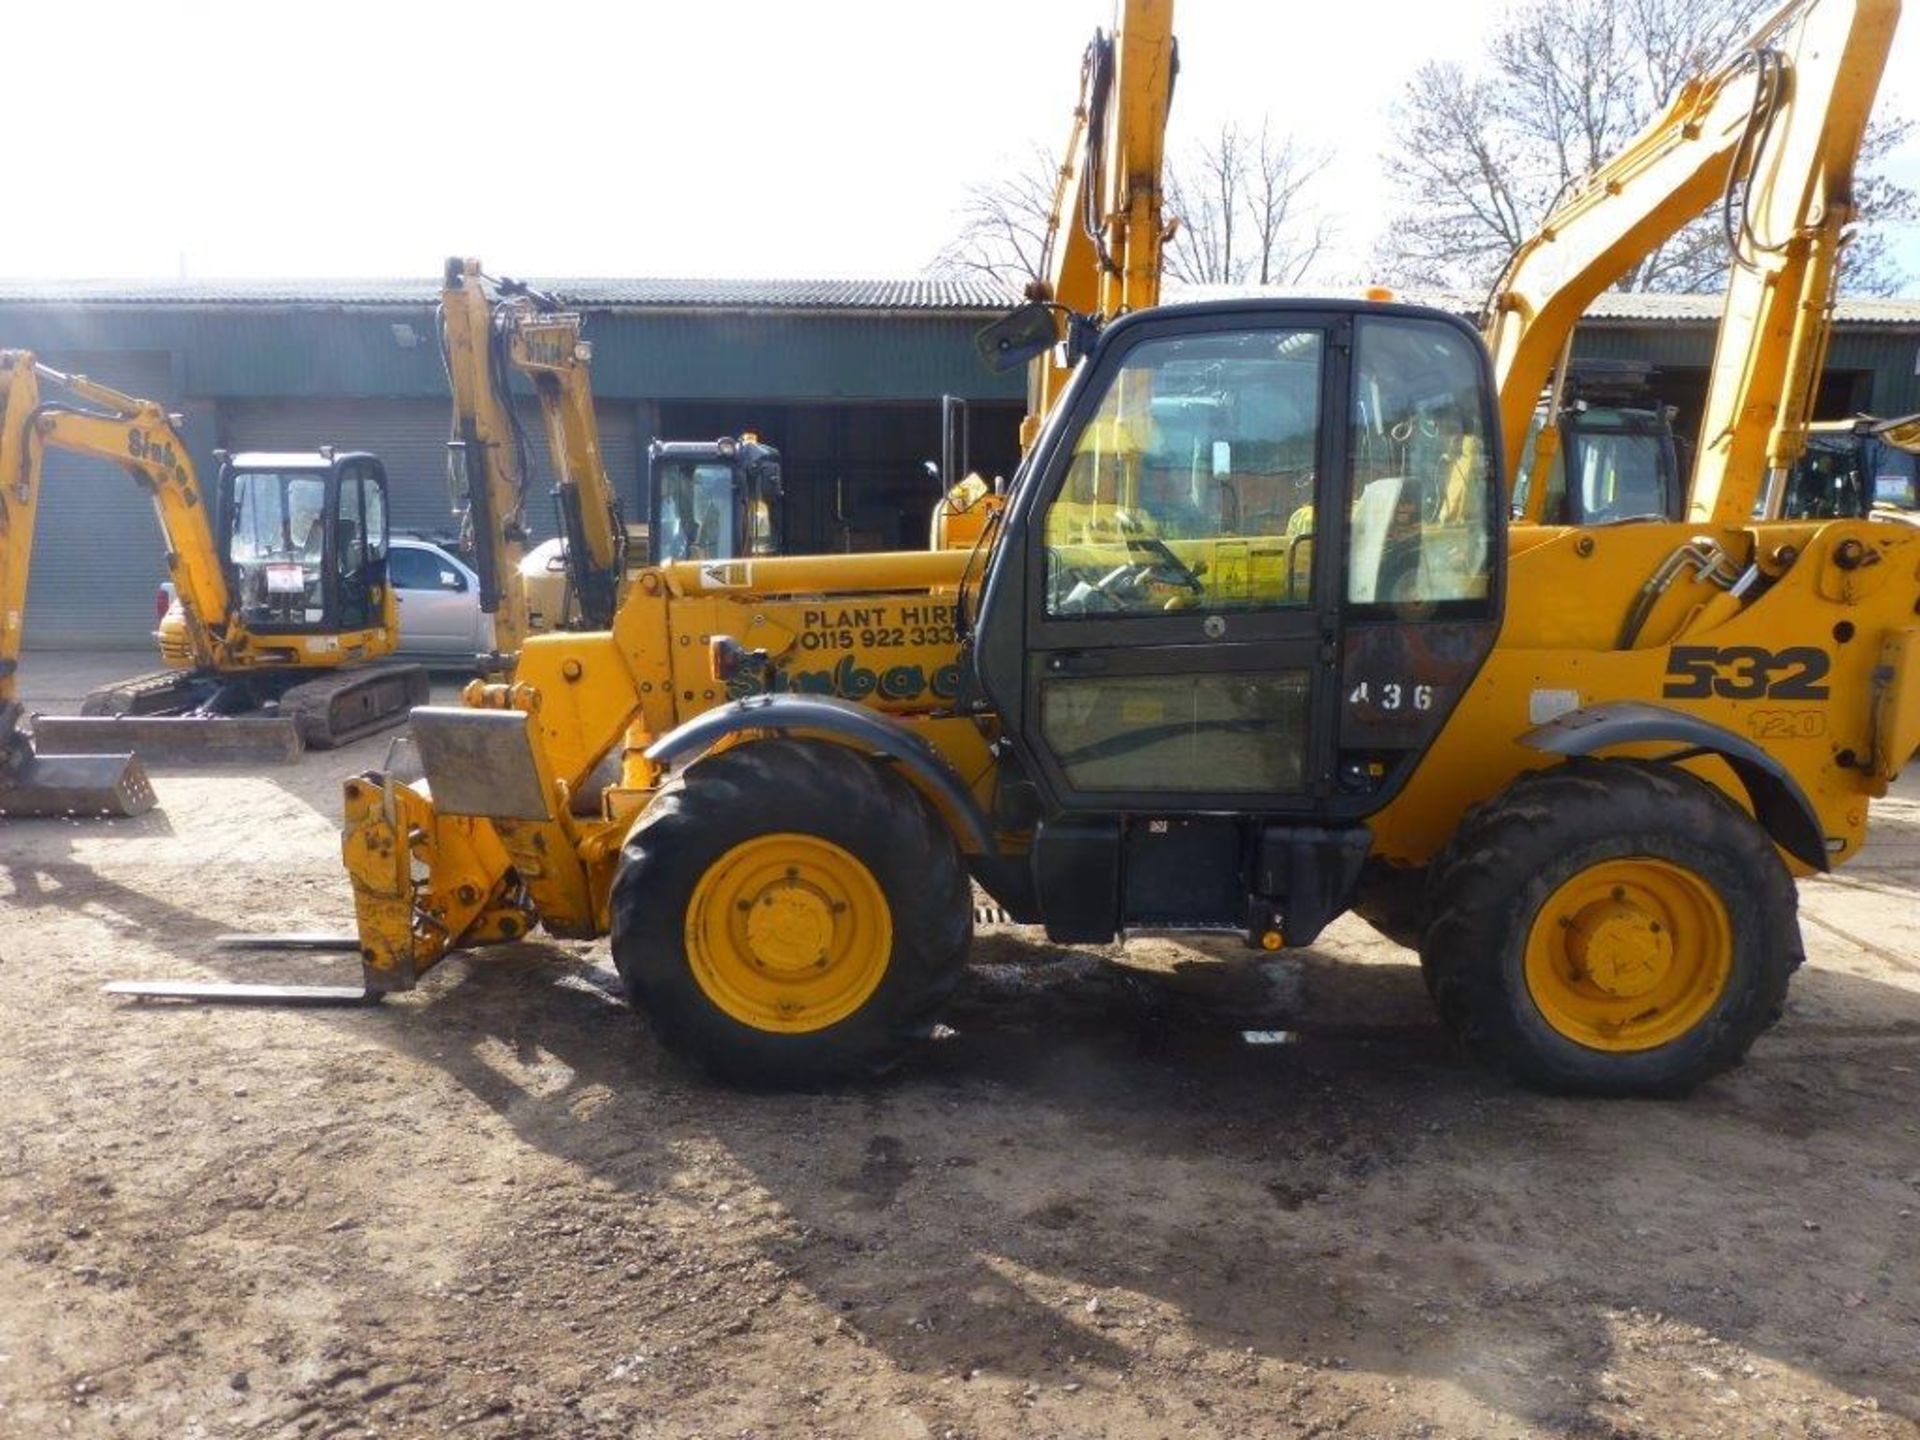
column 1779, row 803
column 846, row 723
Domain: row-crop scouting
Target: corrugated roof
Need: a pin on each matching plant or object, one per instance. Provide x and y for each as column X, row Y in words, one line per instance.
column 917, row 294
column 1637, row 307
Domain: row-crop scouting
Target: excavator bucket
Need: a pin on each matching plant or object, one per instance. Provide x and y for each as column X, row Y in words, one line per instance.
column 75, row 785
column 174, row 739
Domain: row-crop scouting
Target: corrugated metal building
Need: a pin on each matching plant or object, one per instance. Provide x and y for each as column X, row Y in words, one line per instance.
column 844, row 376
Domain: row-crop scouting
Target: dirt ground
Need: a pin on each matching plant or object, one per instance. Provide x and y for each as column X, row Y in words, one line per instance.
column 492, row 1208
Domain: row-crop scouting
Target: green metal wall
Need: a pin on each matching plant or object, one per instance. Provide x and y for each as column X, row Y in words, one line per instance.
column 252, row 353
column 1889, row 354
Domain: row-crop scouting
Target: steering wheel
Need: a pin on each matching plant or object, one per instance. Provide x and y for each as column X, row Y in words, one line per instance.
column 1166, row 564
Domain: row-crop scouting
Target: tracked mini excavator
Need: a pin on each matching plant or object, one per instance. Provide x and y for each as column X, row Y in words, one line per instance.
column 1149, row 700
column 285, row 614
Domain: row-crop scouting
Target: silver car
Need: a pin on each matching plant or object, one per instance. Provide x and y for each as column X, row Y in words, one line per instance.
column 439, row 598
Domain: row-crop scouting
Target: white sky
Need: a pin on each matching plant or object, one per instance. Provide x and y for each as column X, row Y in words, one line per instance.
column 634, row 137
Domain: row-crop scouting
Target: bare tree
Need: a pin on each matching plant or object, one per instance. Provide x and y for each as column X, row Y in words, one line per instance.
column 1481, row 155
column 1002, row 234
column 1242, row 206
column 1242, row 203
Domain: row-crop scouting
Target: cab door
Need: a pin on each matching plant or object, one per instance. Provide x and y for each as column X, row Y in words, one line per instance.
column 1254, row 563
column 360, row 544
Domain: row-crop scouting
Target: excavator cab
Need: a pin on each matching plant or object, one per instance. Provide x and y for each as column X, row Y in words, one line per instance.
column 1853, row 468
column 306, row 540
column 1617, row 457
column 714, row 500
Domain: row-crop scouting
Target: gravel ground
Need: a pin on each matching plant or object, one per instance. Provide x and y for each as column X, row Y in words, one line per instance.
column 493, row 1208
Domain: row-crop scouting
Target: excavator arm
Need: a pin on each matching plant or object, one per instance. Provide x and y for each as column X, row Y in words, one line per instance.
column 489, row 455
column 489, row 336
column 1787, row 228
column 1108, row 227
column 544, row 344
column 143, row 439
column 1759, row 109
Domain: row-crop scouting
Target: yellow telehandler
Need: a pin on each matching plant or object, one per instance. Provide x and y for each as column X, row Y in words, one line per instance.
column 1152, row 697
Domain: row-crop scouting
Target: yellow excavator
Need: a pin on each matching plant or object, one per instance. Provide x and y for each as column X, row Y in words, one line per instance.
column 284, row 616
column 1605, row 751
column 491, row 331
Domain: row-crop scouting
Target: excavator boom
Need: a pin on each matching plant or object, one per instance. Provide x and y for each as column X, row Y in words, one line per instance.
column 489, row 336
column 489, row 457
column 1108, row 227
column 545, row 345
column 1787, row 228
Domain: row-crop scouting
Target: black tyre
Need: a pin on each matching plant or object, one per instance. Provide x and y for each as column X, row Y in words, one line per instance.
column 1610, row 928
column 788, row 913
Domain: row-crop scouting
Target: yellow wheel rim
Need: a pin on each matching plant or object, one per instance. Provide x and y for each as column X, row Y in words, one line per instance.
column 1629, row 954
column 789, row 933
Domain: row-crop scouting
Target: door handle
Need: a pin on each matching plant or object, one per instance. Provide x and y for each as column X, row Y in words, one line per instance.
column 1076, row 662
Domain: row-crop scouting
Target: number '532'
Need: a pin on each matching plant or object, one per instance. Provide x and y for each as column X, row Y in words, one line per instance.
column 1746, row 672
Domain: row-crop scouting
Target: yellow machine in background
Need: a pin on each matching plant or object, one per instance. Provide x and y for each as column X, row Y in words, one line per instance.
column 1105, row 237
column 1856, row 467
column 280, row 573
column 486, row 338
column 1155, row 696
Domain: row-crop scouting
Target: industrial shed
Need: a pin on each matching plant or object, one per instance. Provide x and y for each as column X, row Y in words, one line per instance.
column 844, row 376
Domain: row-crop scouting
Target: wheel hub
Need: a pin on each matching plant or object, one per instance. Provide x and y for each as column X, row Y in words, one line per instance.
column 790, row 928
column 1619, row 947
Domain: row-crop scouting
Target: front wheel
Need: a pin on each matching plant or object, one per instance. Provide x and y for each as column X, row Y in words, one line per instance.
column 787, row 913
column 1610, row 927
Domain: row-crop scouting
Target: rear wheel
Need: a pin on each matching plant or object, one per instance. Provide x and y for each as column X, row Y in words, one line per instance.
column 1610, row 927
column 787, row 913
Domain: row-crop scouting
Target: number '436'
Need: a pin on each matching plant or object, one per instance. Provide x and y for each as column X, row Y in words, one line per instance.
column 1391, row 695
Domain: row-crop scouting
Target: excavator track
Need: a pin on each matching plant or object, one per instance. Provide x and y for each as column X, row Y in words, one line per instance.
column 336, row 709
column 161, row 692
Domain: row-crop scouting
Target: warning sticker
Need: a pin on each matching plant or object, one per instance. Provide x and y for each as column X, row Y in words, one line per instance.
column 286, row 579
column 725, row 574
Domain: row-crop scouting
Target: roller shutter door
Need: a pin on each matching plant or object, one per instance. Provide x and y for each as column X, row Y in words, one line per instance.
column 410, row 437
column 98, row 558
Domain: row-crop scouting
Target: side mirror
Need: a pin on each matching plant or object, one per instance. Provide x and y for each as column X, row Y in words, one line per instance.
column 1017, row 337
column 453, row 580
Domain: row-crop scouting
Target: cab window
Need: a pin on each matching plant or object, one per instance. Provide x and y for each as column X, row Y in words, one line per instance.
column 1191, row 488
column 1421, row 489
column 697, row 511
